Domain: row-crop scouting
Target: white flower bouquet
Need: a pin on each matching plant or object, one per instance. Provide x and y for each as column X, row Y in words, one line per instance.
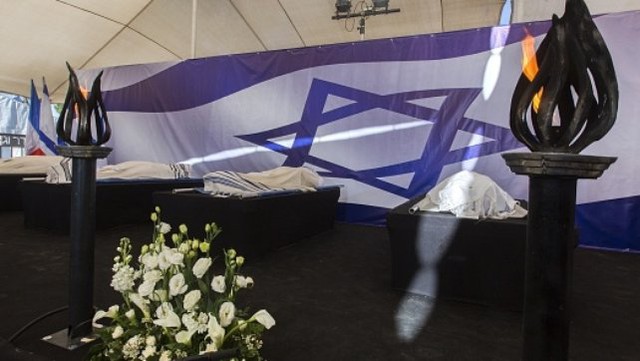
column 174, row 306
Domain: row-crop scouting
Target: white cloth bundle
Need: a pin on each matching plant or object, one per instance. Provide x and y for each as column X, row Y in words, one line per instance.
column 255, row 183
column 131, row 170
column 30, row 164
column 470, row 195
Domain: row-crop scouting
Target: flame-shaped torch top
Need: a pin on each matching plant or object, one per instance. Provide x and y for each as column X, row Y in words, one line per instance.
column 76, row 105
column 573, row 62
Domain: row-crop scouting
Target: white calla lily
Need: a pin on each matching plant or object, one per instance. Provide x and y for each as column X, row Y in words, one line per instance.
column 264, row 318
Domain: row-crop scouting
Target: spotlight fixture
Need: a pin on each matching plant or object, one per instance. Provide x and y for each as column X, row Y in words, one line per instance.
column 379, row 4
column 367, row 8
column 343, row 6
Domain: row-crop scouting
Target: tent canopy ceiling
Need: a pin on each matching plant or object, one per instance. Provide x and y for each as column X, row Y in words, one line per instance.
column 38, row 36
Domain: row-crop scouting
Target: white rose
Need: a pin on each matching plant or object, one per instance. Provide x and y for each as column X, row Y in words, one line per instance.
column 117, row 332
column 191, row 300
column 264, row 318
column 177, row 285
column 227, row 313
column 218, row 285
column 201, row 267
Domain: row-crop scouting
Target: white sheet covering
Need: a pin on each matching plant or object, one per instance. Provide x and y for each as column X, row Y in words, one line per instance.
column 252, row 184
column 31, row 164
column 470, row 195
column 131, row 170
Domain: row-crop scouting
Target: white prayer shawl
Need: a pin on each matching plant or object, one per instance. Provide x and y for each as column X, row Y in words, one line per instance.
column 32, row 164
column 470, row 195
column 131, row 170
column 230, row 183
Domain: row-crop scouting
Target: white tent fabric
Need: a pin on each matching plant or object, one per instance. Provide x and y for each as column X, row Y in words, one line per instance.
column 38, row 36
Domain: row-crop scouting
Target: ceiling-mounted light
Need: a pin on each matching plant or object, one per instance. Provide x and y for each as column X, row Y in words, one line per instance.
column 378, row 4
column 343, row 6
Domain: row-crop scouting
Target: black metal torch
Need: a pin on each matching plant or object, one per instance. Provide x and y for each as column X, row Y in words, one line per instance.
column 571, row 102
column 88, row 117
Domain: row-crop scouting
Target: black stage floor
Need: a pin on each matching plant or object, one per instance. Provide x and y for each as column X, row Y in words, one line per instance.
column 331, row 298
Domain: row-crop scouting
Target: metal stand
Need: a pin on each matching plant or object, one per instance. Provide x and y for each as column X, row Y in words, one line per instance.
column 82, row 236
column 550, row 243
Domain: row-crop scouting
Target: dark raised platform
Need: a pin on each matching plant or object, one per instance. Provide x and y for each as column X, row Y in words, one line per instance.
column 253, row 226
column 48, row 206
column 10, row 192
column 441, row 256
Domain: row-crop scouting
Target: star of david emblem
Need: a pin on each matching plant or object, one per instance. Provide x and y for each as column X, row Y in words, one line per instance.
column 446, row 121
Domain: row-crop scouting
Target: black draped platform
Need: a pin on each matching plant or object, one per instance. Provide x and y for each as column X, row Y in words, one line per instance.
column 10, row 192
column 253, row 226
column 445, row 257
column 48, row 206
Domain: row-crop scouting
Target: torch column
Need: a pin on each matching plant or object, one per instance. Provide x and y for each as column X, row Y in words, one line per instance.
column 557, row 110
column 550, row 243
column 82, row 235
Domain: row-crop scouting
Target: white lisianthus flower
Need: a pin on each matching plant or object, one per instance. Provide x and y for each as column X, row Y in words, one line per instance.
column 201, row 267
column 150, row 341
column 169, row 257
column 189, row 322
column 227, row 313
column 218, row 285
column 166, row 317
column 191, row 300
column 164, row 228
column 152, row 276
column 184, row 248
column 143, row 304
column 244, row 282
column 174, row 257
column 149, row 260
column 146, row 288
column 184, row 337
column 177, row 285
column 202, row 320
column 117, row 332
column 264, row 318
column 215, row 332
